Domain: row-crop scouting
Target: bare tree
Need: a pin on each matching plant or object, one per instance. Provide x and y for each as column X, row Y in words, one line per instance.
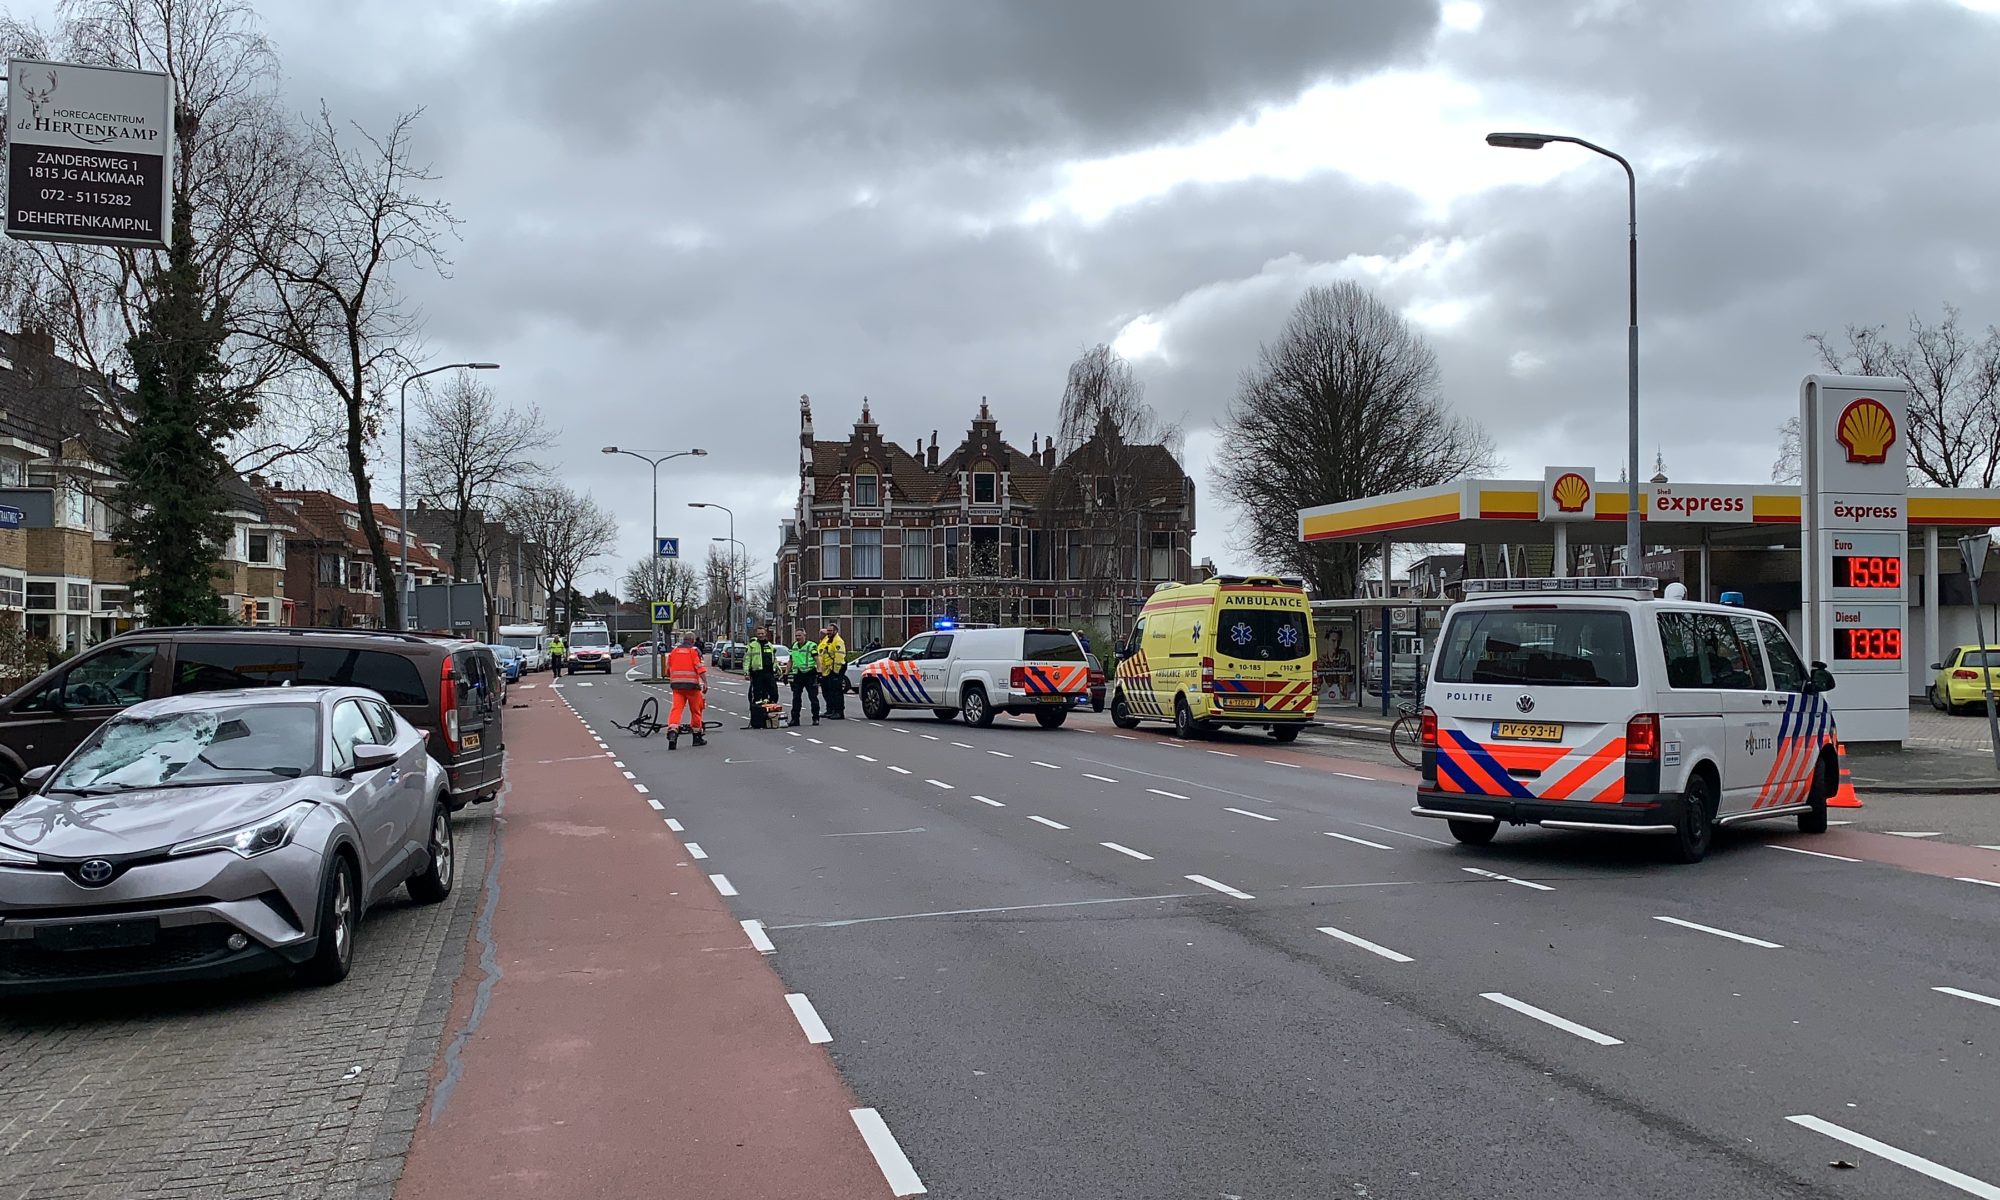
column 469, row 454
column 1114, row 458
column 361, row 215
column 669, row 579
column 1788, row 467
column 1345, row 404
column 1954, row 379
column 719, row 585
column 565, row 531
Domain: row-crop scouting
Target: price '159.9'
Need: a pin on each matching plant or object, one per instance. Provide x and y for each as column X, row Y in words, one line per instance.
column 1867, row 571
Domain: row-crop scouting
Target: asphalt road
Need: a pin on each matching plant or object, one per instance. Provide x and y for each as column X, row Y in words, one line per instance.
column 1087, row 963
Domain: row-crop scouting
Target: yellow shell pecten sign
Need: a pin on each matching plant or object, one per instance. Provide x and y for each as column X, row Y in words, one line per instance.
column 1571, row 493
column 1866, row 431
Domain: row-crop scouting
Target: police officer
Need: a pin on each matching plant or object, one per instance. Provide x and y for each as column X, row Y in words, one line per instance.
column 557, row 649
column 832, row 659
column 805, row 673
column 760, row 663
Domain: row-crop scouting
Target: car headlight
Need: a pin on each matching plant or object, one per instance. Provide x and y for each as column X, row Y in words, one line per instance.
column 249, row 841
column 10, row 857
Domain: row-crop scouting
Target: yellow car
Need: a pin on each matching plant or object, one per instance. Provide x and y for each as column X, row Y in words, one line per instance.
column 1960, row 687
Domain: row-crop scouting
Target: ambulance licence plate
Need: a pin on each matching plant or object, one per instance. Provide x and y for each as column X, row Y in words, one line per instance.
column 1239, row 701
column 1528, row 731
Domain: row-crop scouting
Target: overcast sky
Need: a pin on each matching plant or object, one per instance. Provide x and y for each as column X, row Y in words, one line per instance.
column 680, row 216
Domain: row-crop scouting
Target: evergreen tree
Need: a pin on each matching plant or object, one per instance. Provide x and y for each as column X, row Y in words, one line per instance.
column 173, row 501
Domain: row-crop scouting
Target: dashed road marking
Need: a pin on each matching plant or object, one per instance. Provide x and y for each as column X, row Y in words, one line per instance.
column 1127, row 851
column 1244, row 812
column 963, row 745
column 1902, row 1158
column 1049, row 823
column 1222, row 753
column 1402, row 833
column 1526, row 883
column 1722, row 933
column 1814, row 853
column 723, row 885
column 642, row 789
column 1898, row 833
column 939, row 783
column 899, row 770
column 984, row 800
column 1351, row 775
column 1548, row 1018
column 1294, row 766
column 1365, row 944
column 759, row 940
column 1965, row 995
column 676, row 826
column 930, row 737
column 695, row 851
column 1970, row 879
column 999, row 754
column 1224, row 888
column 1347, row 837
column 1168, row 795
column 889, row 1157
column 808, row 1018
column 630, row 775
column 1051, row 766
column 864, row 758
column 653, row 804
column 1126, row 737
column 1099, row 778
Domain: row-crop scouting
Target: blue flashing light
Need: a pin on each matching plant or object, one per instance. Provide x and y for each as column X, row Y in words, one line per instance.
column 1733, row 598
column 944, row 623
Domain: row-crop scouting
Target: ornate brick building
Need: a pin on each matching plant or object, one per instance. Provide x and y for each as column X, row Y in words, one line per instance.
column 884, row 542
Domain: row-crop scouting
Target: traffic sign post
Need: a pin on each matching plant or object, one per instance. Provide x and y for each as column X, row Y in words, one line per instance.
column 1972, row 555
column 663, row 621
column 667, row 547
column 663, row 612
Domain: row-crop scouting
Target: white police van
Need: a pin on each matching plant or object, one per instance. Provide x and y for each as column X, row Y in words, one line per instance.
column 1592, row 704
column 976, row 671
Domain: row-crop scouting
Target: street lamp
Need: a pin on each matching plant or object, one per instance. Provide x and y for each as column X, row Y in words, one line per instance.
column 1535, row 141
column 406, row 593
column 653, row 575
column 732, row 569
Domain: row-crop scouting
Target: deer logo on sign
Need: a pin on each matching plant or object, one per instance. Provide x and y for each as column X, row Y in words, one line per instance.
column 38, row 97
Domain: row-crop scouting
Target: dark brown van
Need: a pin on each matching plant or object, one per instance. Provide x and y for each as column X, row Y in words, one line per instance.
column 449, row 688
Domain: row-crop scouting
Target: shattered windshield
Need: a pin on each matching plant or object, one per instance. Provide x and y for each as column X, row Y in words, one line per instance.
column 190, row 749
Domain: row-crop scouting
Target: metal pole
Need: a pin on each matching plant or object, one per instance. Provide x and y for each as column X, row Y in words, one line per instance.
column 403, row 501
column 1633, row 555
column 1986, row 675
column 653, row 577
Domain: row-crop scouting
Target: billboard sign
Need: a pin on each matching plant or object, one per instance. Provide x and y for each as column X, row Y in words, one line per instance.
column 90, row 154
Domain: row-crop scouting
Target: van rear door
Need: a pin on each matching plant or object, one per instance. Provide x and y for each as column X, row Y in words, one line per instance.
column 1263, row 648
column 1055, row 665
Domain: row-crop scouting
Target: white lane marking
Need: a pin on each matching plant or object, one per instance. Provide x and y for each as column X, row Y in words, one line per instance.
column 1894, row 833
column 875, row 724
column 963, row 745
column 1902, row 1158
column 864, row 758
column 653, row 804
column 898, row 770
column 1224, row 888
column 585, row 683
column 939, row 783
column 1127, row 851
column 1965, row 995
column 802, row 1008
column 930, row 737
column 876, row 832
column 1051, row 766
column 1850, row 823
column 1349, row 775
column 1244, row 812
column 1365, row 944
column 1724, row 933
column 695, row 850
column 994, row 803
column 1814, row 853
column 902, row 731
column 1347, row 837
column 1548, row 1018
column 815, row 741
column 1049, row 823
column 723, row 885
column 1168, row 795
column 842, row 749
column 616, row 763
column 676, row 826
column 1126, row 736
column 999, row 754
column 1540, row 887
column 1982, row 847
column 895, row 1165
column 759, row 940
column 1099, row 778
column 1294, row 766
column 794, row 733
column 642, row 789
column 1970, row 879
column 1222, row 753
column 630, row 775
column 972, row 912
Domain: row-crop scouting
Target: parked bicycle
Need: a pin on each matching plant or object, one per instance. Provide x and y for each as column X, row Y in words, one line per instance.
column 1406, row 736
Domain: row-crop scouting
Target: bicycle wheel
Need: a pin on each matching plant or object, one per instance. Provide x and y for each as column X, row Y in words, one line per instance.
column 1406, row 738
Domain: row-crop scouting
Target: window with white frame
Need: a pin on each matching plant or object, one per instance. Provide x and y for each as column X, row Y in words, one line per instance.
column 867, row 489
column 265, row 609
column 868, row 554
column 829, row 554
column 113, row 599
column 79, row 597
column 1162, row 565
column 259, row 546
column 916, row 554
column 12, row 472
column 985, row 484
column 330, row 569
column 13, row 591
column 41, row 595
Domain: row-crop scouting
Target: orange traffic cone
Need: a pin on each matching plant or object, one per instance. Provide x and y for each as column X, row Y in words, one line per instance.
column 1843, row 796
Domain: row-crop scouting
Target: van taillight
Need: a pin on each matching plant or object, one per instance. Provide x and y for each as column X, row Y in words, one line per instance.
column 1427, row 726
column 448, row 708
column 1207, row 674
column 1642, row 737
column 1018, row 679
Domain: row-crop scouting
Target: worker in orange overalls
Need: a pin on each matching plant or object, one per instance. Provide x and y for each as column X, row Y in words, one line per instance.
column 687, row 675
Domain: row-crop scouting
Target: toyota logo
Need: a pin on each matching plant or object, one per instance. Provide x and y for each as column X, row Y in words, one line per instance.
column 1526, row 704
column 96, row 872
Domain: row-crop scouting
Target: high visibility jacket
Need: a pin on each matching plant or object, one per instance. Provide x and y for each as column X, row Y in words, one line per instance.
column 832, row 655
column 685, row 670
column 556, row 646
column 757, row 656
column 805, row 657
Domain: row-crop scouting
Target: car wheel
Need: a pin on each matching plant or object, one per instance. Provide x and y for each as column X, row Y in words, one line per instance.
column 1285, row 733
column 1474, row 833
column 874, row 705
column 339, row 920
column 945, row 714
column 1697, row 825
column 1121, row 712
column 1813, row 820
column 1184, row 726
column 1931, row 694
column 974, row 707
column 1051, row 718
column 433, row 883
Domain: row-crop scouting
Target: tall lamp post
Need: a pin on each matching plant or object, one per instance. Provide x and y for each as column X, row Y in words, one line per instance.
column 405, row 593
column 654, row 462
column 733, row 631
column 1634, row 563
column 743, row 577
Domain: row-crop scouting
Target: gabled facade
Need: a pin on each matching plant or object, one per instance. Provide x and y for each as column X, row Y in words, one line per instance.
column 884, row 542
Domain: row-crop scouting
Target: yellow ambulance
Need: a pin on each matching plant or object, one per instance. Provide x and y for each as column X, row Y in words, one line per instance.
column 1235, row 652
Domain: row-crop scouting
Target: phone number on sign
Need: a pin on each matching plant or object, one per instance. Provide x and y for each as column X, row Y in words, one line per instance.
column 115, row 199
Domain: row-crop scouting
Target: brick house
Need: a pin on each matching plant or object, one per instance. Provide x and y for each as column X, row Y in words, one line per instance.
column 884, row 542
column 329, row 573
column 517, row 592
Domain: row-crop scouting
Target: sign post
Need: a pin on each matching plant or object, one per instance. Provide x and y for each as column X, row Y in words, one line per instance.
column 1972, row 553
column 663, row 623
column 90, row 154
column 667, row 547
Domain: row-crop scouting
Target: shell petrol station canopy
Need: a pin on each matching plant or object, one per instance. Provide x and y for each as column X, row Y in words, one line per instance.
column 1496, row 511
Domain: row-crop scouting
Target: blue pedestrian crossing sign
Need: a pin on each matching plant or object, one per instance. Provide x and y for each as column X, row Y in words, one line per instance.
column 667, row 548
column 663, row 612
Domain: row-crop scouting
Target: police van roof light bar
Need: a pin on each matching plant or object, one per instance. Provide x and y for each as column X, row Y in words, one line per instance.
column 1642, row 586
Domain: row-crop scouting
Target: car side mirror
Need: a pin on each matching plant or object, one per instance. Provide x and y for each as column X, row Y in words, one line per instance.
column 1822, row 679
column 1937, row 666
column 33, row 778
column 58, row 703
column 370, row 757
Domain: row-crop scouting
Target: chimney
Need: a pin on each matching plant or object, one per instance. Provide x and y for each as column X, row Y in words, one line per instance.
column 36, row 338
column 1049, row 454
column 930, row 459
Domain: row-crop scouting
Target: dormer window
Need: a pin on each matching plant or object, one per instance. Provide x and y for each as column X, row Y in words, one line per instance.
column 985, row 484
column 867, row 489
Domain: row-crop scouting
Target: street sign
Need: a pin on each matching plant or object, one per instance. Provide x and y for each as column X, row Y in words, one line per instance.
column 668, row 548
column 90, row 154
column 663, row 611
column 11, row 517
column 1972, row 552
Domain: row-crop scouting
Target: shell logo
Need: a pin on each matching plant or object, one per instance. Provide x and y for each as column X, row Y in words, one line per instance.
column 1571, row 492
column 1865, row 430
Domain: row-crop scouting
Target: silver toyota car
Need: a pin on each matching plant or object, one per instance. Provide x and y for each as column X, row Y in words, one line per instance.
column 219, row 833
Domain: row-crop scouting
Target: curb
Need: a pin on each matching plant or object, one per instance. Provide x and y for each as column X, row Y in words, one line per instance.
column 1947, row 788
